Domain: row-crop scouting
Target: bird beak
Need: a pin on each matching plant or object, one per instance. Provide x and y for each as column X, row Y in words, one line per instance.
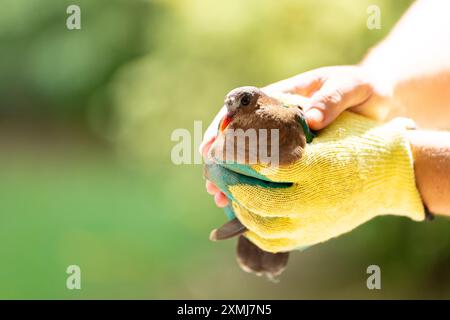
column 226, row 121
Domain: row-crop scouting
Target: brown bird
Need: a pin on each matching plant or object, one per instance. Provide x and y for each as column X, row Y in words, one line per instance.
column 251, row 108
column 249, row 257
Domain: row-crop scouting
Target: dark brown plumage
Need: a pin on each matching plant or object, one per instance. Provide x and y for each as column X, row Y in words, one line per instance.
column 249, row 257
column 253, row 259
column 229, row 230
column 250, row 108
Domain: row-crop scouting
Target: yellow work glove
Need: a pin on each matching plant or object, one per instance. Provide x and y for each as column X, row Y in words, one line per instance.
column 354, row 170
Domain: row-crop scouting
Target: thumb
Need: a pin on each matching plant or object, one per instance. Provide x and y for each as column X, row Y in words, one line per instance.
column 324, row 107
column 326, row 104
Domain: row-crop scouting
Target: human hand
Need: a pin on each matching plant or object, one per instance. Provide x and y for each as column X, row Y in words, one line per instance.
column 330, row 91
column 354, row 170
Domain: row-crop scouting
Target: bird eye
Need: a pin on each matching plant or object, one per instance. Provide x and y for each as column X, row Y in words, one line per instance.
column 246, row 99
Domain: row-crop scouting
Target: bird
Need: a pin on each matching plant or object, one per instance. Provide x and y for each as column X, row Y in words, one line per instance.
column 250, row 108
column 251, row 258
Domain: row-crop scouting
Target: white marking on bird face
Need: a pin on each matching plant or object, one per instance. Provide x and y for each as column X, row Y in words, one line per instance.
column 232, row 103
column 241, row 97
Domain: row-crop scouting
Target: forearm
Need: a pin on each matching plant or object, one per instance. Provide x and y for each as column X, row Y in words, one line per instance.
column 412, row 65
column 418, row 44
column 431, row 152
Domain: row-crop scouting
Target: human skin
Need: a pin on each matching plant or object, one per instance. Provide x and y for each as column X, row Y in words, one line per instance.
column 431, row 153
column 407, row 74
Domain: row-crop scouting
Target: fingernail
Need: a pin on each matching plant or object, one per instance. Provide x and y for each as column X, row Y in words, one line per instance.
column 211, row 188
column 221, row 200
column 315, row 115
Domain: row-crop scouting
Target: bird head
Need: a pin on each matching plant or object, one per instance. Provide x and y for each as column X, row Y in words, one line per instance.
column 240, row 100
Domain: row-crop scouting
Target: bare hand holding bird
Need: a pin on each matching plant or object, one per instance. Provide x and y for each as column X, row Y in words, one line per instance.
column 328, row 91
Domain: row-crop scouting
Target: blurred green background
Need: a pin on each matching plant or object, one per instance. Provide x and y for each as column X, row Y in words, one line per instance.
column 85, row 170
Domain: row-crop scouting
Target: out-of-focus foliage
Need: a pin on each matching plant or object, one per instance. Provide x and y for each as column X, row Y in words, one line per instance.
column 206, row 48
column 71, row 101
column 45, row 69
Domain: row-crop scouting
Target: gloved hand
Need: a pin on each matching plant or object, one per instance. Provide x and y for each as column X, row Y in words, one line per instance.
column 354, row 170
